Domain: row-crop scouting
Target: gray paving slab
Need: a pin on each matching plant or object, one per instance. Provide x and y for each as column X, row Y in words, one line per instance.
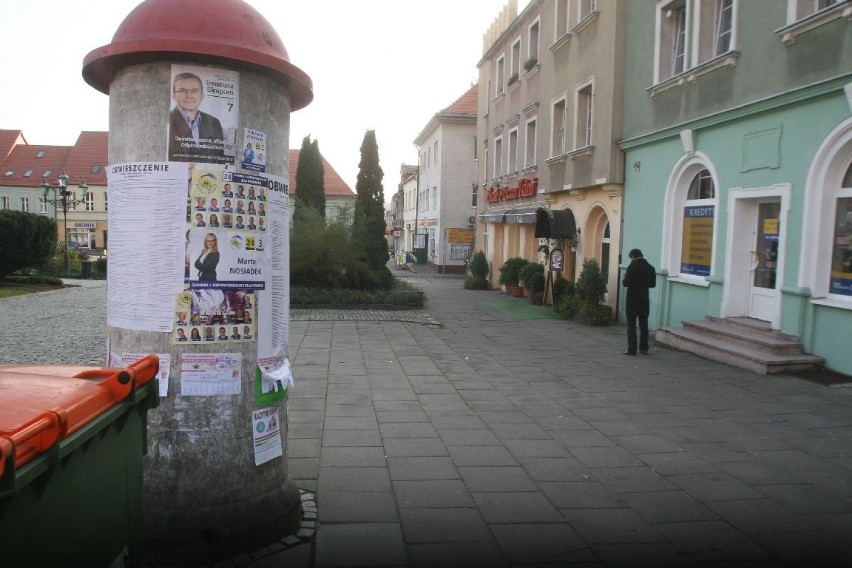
column 460, row 415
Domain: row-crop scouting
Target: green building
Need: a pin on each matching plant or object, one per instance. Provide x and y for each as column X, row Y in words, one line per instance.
column 738, row 187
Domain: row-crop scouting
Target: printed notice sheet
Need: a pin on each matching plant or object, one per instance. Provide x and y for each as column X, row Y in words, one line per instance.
column 274, row 321
column 266, row 434
column 210, row 374
column 128, row 359
column 147, row 222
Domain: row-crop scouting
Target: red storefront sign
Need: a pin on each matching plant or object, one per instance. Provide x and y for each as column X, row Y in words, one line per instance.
column 525, row 188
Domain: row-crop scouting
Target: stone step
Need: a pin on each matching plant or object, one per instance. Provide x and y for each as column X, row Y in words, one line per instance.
column 747, row 335
column 717, row 348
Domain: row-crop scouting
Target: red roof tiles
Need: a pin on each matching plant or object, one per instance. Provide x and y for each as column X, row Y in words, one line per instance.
column 334, row 184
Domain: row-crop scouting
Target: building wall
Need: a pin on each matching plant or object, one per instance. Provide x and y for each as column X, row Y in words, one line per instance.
column 584, row 52
column 767, row 131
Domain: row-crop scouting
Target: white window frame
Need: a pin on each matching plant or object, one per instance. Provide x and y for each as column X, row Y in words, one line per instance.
column 498, row 157
column 500, row 75
column 700, row 38
column 586, row 8
column 42, row 205
column 89, row 199
column 561, row 19
column 557, row 131
column 583, row 115
column 514, row 144
column 435, row 153
column 25, row 204
column 515, row 61
column 530, row 142
column 5, row 202
column 533, row 39
column 822, row 189
column 677, row 189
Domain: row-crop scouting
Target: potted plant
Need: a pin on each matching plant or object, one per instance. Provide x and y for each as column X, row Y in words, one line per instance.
column 591, row 289
column 478, row 269
column 510, row 273
column 513, row 78
column 527, row 273
column 530, row 63
column 536, row 285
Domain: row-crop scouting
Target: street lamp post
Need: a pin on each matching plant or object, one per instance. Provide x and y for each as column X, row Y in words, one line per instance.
column 62, row 198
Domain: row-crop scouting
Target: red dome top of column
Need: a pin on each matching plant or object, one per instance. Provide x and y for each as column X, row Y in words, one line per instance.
column 227, row 32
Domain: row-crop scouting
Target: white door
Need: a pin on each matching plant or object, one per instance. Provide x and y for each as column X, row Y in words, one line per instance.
column 763, row 294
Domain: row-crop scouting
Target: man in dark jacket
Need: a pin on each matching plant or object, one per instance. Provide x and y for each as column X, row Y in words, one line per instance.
column 638, row 278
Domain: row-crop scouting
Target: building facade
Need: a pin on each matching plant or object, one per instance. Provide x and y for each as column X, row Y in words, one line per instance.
column 447, row 181
column 738, row 144
column 27, row 166
column 549, row 120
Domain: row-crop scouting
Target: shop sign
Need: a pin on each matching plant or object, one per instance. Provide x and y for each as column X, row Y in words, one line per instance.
column 525, row 188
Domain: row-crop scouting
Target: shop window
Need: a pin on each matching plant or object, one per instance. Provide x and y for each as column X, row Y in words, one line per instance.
column 689, row 228
column 840, row 280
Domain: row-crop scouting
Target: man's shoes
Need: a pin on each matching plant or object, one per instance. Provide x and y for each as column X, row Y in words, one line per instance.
column 643, row 351
column 628, row 353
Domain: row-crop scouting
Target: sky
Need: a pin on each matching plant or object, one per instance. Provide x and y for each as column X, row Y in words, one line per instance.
column 385, row 65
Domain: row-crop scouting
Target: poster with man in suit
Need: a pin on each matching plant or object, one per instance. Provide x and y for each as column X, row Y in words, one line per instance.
column 203, row 116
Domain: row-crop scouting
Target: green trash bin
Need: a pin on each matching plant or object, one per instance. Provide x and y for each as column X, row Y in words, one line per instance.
column 71, row 445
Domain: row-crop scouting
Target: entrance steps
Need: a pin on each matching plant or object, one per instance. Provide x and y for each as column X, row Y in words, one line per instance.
column 740, row 342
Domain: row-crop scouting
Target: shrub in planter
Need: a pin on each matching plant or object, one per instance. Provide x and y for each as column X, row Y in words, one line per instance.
column 475, row 283
column 528, row 272
column 599, row 314
column 591, row 286
column 511, row 269
column 536, row 286
column 562, row 287
column 569, row 306
column 479, row 265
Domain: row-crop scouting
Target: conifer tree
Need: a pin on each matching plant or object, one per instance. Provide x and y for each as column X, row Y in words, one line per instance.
column 368, row 227
column 310, row 178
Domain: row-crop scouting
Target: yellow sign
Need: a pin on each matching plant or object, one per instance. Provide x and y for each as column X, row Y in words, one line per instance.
column 459, row 236
column 770, row 226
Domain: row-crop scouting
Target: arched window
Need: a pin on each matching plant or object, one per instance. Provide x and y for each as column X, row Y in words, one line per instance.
column 826, row 264
column 689, row 226
column 698, row 214
column 840, row 280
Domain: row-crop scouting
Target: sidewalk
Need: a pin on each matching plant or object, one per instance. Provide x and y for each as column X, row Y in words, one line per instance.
column 504, row 437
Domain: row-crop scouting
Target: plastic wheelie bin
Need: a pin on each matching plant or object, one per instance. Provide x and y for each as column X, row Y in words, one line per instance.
column 71, row 445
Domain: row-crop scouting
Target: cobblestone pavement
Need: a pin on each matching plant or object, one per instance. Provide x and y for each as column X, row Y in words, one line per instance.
column 68, row 326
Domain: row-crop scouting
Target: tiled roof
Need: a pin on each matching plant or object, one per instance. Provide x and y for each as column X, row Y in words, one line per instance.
column 334, row 184
column 24, row 159
column 91, row 149
column 8, row 140
column 463, row 109
column 465, row 104
column 88, row 159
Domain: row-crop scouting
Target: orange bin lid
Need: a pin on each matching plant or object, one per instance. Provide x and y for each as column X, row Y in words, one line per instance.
column 40, row 404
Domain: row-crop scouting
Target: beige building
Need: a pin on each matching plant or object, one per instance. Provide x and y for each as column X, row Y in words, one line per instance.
column 549, row 119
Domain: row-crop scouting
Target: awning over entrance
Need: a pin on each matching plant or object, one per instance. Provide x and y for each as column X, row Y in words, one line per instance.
column 526, row 216
column 555, row 224
column 493, row 217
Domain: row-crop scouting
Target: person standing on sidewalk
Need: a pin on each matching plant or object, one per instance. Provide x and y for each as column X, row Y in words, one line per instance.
column 638, row 278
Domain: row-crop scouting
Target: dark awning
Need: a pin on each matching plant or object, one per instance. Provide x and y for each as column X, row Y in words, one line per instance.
column 555, row 224
column 493, row 217
column 521, row 215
